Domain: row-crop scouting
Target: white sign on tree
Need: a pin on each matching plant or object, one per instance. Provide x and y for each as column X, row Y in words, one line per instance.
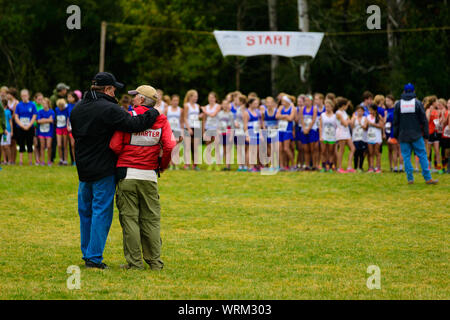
column 254, row 43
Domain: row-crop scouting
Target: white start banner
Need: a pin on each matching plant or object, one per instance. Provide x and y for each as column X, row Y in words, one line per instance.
column 254, row 43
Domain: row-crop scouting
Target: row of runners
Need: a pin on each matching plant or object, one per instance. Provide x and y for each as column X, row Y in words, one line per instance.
column 312, row 132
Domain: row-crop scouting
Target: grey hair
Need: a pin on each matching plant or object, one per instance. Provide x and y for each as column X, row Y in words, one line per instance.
column 148, row 101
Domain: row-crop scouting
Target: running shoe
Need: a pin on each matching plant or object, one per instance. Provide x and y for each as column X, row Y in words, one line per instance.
column 342, row 171
column 378, row 171
column 370, row 170
column 351, row 170
column 323, row 170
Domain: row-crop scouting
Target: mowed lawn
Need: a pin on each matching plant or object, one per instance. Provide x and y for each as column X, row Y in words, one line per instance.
column 232, row 235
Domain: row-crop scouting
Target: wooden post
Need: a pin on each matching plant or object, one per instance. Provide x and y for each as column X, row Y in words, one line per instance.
column 102, row 47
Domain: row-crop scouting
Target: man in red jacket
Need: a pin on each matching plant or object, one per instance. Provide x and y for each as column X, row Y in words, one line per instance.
column 141, row 157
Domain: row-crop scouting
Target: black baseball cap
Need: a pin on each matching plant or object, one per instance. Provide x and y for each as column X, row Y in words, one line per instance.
column 106, row 79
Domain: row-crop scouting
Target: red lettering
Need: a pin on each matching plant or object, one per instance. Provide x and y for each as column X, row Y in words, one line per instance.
column 276, row 39
column 260, row 39
column 288, row 38
column 250, row 40
column 268, row 40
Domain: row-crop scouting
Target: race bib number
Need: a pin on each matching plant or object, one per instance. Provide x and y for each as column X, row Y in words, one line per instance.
column 25, row 121
column 446, row 132
column 61, row 121
column 223, row 125
column 272, row 132
column 358, row 134
column 146, row 138
column 282, row 125
column 408, row 106
column 329, row 133
column 44, row 128
column 174, row 123
column 193, row 121
column 240, row 130
column 388, row 127
column 372, row 134
column 307, row 120
column 256, row 126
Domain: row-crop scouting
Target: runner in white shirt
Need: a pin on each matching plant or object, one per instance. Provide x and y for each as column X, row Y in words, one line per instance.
column 374, row 137
column 359, row 137
column 327, row 131
column 174, row 116
column 343, row 135
column 210, row 112
column 191, row 119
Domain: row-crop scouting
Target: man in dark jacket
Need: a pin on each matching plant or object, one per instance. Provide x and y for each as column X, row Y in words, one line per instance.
column 94, row 120
column 410, row 128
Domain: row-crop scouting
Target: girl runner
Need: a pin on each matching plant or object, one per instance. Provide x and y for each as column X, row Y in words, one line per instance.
column 318, row 103
column 343, row 136
column 210, row 112
column 174, row 116
column 61, row 115
column 271, row 129
column 285, row 116
column 309, row 135
column 192, row 123
column 395, row 156
column 239, row 134
column 374, row 137
column 327, row 132
column 38, row 100
column 11, row 97
column 252, row 125
column 72, row 99
column 226, row 125
column 298, row 127
column 6, row 138
column 433, row 116
column 45, row 120
column 25, row 116
column 446, row 135
column 359, row 137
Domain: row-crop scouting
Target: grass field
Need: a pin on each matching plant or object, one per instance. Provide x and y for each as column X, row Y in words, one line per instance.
column 229, row 235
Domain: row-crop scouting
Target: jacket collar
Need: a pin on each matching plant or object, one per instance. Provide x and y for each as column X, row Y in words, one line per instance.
column 408, row 96
column 94, row 95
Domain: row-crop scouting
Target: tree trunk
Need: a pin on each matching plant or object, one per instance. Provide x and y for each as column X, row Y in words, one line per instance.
column 272, row 4
column 303, row 26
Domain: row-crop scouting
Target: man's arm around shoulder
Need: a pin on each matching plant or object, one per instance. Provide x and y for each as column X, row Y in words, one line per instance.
column 121, row 120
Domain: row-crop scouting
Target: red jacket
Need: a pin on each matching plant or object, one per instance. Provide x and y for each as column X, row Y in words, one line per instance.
column 141, row 150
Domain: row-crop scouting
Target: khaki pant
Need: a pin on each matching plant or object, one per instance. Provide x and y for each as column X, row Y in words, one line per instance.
column 139, row 215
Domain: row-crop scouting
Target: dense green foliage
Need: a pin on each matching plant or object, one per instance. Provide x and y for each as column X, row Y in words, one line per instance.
column 37, row 50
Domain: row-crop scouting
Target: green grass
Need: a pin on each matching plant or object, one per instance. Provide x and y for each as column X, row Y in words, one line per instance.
column 229, row 235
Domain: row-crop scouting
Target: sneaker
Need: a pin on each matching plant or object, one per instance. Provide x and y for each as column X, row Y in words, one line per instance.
column 37, row 163
column 323, row 170
column 360, row 170
column 341, row 171
column 42, row 164
column 50, row 164
column 416, row 170
column 351, row 170
column 253, row 169
column 432, row 181
column 411, row 182
column 92, row 265
column 196, row 168
column 378, row 171
column 186, row 167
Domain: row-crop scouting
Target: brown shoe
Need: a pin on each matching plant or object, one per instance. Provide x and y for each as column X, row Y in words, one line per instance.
column 432, row 181
column 411, row 182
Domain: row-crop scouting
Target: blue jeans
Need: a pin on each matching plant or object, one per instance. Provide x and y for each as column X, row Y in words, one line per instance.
column 419, row 149
column 95, row 207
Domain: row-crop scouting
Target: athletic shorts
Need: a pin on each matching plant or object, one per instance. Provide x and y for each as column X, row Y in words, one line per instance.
column 311, row 137
column 62, row 132
column 434, row 137
column 328, row 142
column 298, row 131
column 226, row 139
column 286, row 135
column 254, row 139
column 6, row 138
column 44, row 137
column 360, row 145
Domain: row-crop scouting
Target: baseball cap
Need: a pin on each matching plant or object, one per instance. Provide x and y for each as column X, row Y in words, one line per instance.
column 409, row 87
column 145, row 90
column 61, row 86
column 106, row 79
